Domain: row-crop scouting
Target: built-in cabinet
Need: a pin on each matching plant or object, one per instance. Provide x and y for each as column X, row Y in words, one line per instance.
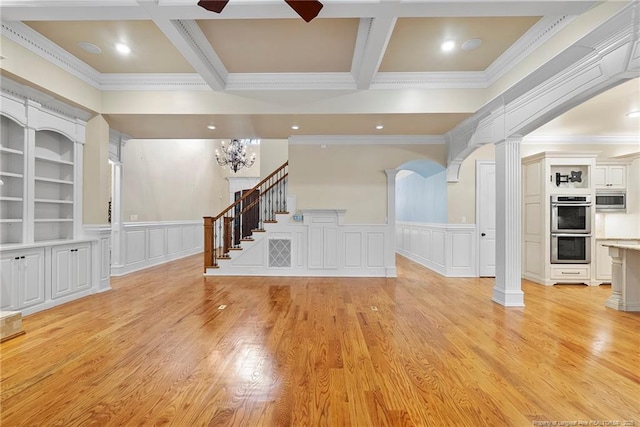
column 610, row 176
column 46, row 258
column 70, row 269
column 22, row 279
column 324, row 249
column 545, row 175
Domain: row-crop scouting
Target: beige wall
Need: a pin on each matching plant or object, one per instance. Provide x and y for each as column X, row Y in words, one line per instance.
column 96, row 179
column 171, row 180
column 273, row 152
column 351, row 177
column 461, row 195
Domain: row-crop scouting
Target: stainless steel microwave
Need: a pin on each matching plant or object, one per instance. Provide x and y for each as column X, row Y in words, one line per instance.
column 611, row 201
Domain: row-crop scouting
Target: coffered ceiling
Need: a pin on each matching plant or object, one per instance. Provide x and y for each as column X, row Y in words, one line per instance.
column 360, row 64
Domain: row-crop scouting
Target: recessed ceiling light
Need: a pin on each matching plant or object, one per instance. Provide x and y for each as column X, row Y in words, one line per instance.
column 471, row 44
column 379, row 127
column 448, row 45
column 123, row 48
column 90, row 47
column 212, row 127
column 634, row 114
column 295, row 127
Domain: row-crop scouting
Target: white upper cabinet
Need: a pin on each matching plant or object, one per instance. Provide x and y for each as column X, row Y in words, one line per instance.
column 610, row 176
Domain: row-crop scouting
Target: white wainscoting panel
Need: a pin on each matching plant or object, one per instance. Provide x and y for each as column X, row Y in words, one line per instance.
column 321, row 246
column 448, row 249
column 151, row 243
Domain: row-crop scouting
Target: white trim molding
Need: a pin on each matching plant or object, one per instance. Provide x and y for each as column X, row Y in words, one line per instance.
column 366, row 140
column 447, row 249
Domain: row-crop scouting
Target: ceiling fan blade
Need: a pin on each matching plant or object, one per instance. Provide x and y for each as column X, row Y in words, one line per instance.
column 213, row 5
column 307, row 9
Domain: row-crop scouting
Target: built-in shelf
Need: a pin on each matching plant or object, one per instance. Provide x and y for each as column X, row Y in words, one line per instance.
column 10, row 221
column 11, row 199
column 55, row 161
column 54, row 220
column 11, row 151
column 54, row 181
column 54, row 201
column 12, row 175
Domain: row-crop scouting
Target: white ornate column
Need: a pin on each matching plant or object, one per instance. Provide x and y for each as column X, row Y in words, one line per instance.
column 615, row 301
column 508, row 283
column 390, row 237
column 117, row 226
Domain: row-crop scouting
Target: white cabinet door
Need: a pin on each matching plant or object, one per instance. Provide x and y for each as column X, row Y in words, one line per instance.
column 610, row 176
column 600, row 177
column 603, row 261
column 71, row 269
column 22, row 279
column 61, row 271
column 32, row 286
column 9, row 268
column 616, row 176
column 82, row 267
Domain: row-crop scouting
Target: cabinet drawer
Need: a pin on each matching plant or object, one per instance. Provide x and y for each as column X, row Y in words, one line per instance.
column 570, row 273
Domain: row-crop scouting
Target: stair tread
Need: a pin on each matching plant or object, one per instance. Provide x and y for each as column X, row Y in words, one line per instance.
column 270, row 221
column 258, row 230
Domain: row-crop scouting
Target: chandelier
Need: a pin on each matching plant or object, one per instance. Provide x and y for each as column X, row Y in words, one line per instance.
column 234, row 155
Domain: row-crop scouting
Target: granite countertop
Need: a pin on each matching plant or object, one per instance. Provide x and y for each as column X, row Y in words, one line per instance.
column 621, row 246
column 617, row 238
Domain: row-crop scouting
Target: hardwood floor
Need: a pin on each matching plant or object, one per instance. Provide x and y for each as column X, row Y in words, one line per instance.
column 158, row 349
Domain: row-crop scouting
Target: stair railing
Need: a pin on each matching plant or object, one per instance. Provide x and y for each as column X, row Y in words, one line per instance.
column 224, row 232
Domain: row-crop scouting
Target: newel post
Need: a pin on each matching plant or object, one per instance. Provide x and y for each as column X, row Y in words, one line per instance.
column 209, row 250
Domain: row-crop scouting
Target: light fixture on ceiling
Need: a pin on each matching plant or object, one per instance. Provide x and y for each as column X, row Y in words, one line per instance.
column 379, row 127
column 448, row 45
column 234, row 155
column 212, row 127
column 471, row 44
column 634, row 113
column 90, row 47
column 123, row 48
column 295, row 127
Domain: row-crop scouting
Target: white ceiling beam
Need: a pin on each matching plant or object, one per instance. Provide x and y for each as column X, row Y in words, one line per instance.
column 187, row 37
column 72, row 10
column 371, row 43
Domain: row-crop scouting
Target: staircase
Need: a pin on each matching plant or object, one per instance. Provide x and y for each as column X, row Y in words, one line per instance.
column 236, row 227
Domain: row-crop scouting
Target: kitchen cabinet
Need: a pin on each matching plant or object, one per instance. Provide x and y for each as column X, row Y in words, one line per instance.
column 610, row 176
column 22, row 279
column 602, row 260
column 545, row 175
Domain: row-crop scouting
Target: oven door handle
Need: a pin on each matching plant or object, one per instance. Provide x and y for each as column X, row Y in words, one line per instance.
column 570, row 235
column 571, row 204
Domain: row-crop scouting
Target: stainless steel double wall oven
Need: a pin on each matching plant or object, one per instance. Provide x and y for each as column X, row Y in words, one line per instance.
column 570, row 229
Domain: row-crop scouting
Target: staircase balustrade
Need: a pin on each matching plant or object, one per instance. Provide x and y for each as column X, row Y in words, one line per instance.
column 257, row 206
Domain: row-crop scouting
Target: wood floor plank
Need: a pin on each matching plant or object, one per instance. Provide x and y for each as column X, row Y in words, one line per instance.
column 158, row 350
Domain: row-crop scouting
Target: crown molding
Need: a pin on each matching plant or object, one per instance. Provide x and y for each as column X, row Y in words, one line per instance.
column 582, row 139
column 45, row 100
column 156, row 81
column 366, row 140
column 31, row 40
column 430, row 80
column 537, row 35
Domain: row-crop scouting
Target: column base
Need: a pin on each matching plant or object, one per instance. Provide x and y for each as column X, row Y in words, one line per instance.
column 508, row 298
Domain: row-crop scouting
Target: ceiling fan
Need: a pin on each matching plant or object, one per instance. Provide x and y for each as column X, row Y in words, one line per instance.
column 307, row 9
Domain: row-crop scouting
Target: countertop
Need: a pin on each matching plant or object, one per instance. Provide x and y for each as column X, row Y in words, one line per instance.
column 621, row 246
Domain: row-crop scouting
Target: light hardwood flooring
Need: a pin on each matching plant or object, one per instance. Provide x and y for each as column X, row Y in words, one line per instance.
column 158, row 350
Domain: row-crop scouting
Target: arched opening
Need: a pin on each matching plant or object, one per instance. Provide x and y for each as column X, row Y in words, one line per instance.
column 421, row 192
